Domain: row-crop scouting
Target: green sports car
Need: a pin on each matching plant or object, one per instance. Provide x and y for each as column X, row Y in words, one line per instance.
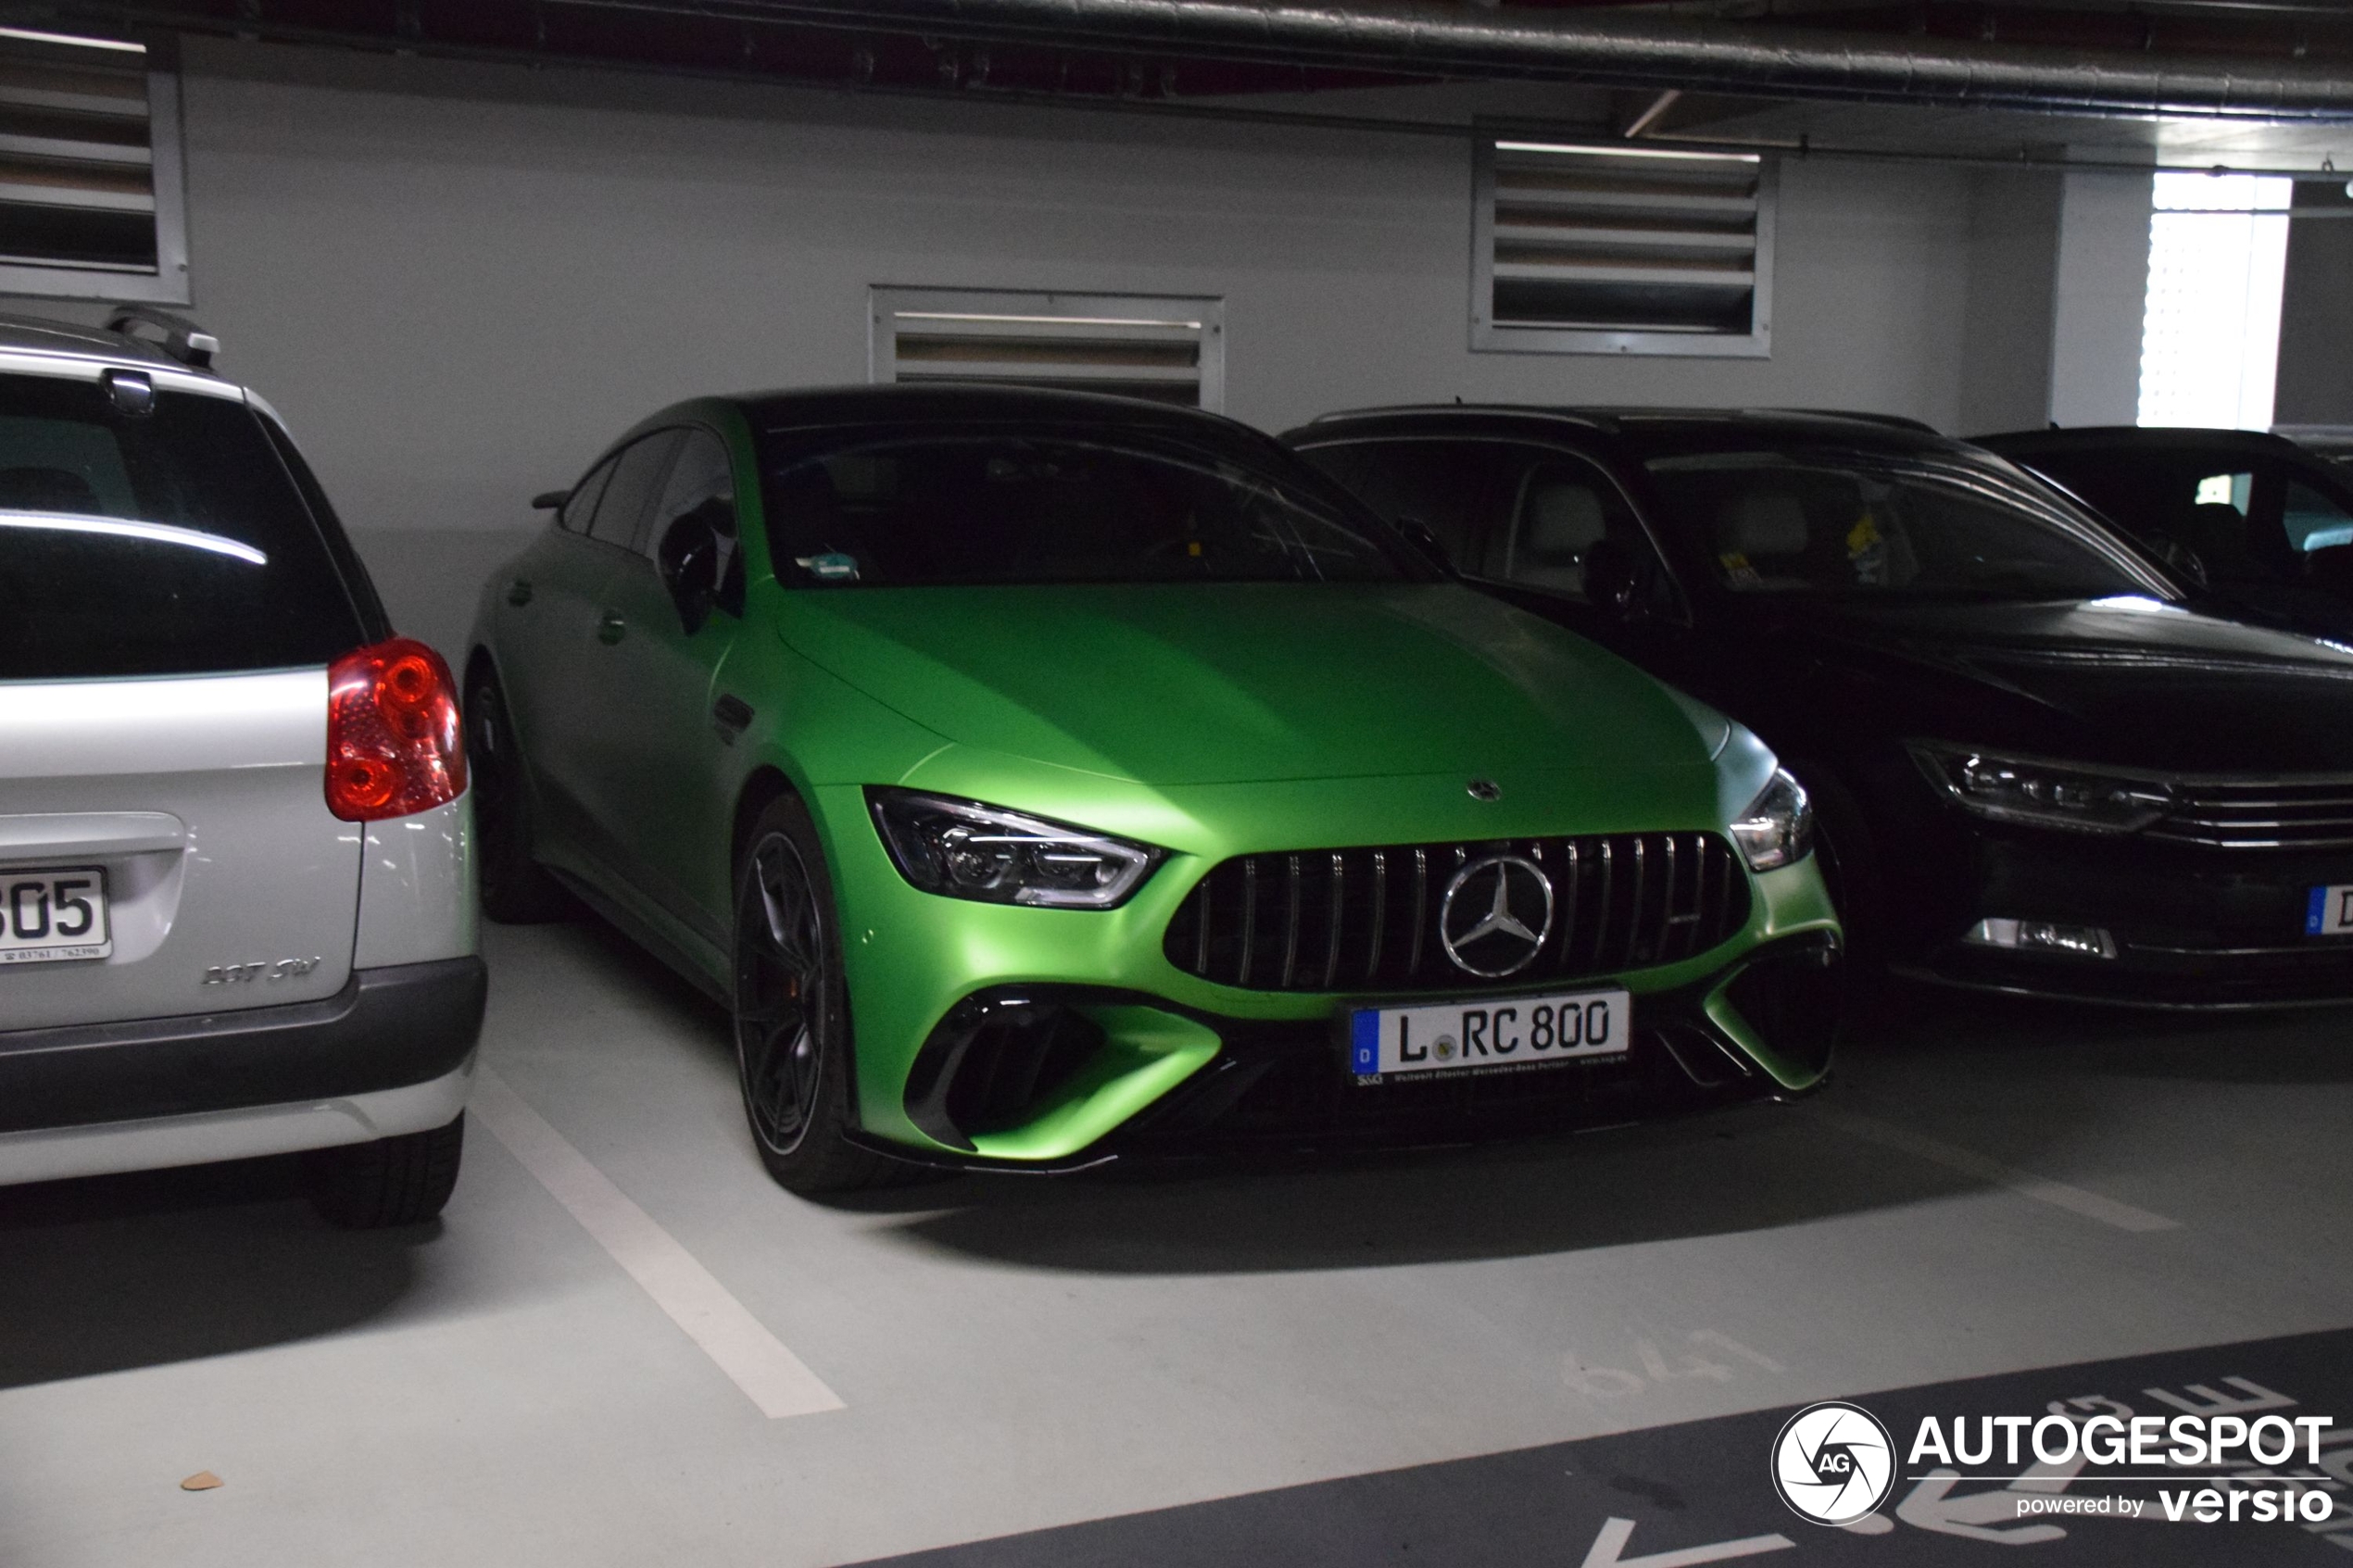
column 1040, row 777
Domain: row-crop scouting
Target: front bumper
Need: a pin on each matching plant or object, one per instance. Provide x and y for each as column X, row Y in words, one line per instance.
column 388, row 1029
column 2191, row 928
column 1040, row 1039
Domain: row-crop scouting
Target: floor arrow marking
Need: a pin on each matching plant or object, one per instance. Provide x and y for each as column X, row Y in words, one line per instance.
column 1611, row 1542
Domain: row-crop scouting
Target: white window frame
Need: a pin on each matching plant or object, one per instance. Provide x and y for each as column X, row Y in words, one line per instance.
column 1041, row 310
column 1488, row 336
column 167, row 284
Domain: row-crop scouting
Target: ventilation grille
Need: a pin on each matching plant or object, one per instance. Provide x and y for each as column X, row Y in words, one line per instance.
column 1367, row 919
column 1166, row 350
column 1649, row 249
column 80, row 168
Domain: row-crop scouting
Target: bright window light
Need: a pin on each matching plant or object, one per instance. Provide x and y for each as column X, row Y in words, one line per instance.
column 2218, row 263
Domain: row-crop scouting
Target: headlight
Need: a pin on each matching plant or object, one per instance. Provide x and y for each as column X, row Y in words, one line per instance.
column 963, row 849
column 2009, row 789
column 1778, row 827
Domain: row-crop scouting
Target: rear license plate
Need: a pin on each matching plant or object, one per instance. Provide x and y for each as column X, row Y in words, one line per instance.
column 2329, row 912
column 1480, row 1036
column 54, row 914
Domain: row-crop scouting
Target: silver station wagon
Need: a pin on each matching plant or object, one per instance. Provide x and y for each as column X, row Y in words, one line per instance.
column 236, row 891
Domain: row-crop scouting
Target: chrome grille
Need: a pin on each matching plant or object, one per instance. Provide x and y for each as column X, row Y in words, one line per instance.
column 2284, row 813
column 1367, row 919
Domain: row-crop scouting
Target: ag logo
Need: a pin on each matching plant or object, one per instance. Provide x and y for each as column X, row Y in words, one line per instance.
column 1833, row 1462
column 1495, row 915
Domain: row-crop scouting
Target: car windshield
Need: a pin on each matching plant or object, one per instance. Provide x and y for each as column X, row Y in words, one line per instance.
column 1818, row 522
column 1081, row 508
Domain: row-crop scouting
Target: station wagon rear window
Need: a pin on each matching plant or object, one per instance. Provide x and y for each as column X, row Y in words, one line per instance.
column 168, row 543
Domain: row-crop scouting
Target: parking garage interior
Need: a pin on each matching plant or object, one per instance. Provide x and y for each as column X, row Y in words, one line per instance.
column 458, row 256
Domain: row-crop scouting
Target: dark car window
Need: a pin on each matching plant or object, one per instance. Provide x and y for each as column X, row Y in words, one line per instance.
column 702, row 484
column 1437, row 484
column 1816, row 523
column 1554, row 511
column 165, row 544
column 1080, row 508
column 621, row 510
column 579, row 507
column 2313, row 521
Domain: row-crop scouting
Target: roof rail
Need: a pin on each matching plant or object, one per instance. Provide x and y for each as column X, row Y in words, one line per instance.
column 182, row 339
column 1890, row 421
column 1597, row 419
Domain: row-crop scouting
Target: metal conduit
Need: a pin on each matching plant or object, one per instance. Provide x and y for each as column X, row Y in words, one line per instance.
column 1418, row 37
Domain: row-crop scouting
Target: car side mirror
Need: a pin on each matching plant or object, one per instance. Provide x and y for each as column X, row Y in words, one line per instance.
column 548, row 500
column 688, row 558
column 1613, row 579
column 1423, row 537
column 2187, row 561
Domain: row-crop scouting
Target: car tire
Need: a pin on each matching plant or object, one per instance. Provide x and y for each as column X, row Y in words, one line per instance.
column 791, row 1012
column 397, row 1180
column 516, row 889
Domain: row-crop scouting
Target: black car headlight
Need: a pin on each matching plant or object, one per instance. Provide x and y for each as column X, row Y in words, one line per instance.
column 963, row 849
column 2053, row 795
column 1778, row 827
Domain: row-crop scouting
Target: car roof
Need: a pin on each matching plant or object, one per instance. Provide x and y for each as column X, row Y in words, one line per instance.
column 2137, row 438
column 1651, row 428
column 969, row 402
column 64, row 340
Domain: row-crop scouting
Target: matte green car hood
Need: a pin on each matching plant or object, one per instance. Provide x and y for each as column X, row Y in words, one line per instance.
column 1194, row 683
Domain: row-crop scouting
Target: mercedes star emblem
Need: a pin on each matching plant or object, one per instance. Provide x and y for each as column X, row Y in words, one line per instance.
column 1495, row 916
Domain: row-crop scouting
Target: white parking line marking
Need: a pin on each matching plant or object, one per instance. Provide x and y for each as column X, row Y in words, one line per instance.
column 2026, row 1183
column 775, row 1379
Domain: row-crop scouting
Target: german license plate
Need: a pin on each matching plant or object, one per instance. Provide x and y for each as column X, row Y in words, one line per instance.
column 50, row 915
column 1474, row 1036
column 2329, row 912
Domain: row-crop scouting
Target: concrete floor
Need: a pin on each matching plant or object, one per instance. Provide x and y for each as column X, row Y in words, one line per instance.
column 1017, row 1355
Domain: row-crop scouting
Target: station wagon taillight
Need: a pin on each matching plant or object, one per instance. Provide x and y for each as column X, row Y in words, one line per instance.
column 395, row 744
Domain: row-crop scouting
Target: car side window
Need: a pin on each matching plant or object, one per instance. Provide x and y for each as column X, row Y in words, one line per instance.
column 702, row 484
column 580, row 506
column 1560, row 507
column 2315, row 523
column 636, row 478
column 1438, row 483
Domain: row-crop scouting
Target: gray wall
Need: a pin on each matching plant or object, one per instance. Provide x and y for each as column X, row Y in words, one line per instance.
column 2006, row 371
column 2100, row 297
column 457, row 280
column 2316, row 312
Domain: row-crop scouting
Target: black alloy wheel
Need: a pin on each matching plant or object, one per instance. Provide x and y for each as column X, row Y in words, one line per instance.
column 780, row 980
column 792, row 1012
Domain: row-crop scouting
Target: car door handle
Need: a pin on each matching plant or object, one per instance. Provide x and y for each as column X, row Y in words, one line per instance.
column 519, row 592
column 612, row 626
column 730, row 715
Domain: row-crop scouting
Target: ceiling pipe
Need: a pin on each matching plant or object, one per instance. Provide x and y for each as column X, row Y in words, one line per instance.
column 1614, row 49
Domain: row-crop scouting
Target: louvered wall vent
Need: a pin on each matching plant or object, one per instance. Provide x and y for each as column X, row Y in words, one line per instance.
column 1138, row 346
column 90, row 187
column 1610, row 250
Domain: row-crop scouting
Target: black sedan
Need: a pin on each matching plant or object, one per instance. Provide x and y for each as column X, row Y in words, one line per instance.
column 2037, row 769
column 2262, row 526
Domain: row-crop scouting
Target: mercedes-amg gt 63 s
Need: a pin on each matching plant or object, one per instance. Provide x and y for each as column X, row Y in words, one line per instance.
column 1039, row 776
column 2039, row 767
